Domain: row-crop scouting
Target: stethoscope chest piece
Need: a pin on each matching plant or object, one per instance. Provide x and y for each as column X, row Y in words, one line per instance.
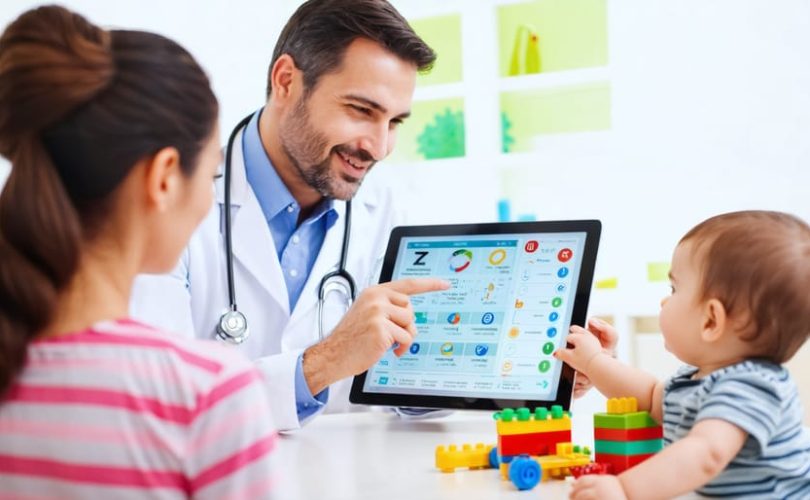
column 233, row 327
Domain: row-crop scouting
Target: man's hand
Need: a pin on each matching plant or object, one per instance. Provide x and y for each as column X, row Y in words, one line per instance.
column 381, row 316
column 608, row 337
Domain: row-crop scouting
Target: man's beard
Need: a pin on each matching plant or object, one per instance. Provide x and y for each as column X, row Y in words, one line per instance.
column 303, row 144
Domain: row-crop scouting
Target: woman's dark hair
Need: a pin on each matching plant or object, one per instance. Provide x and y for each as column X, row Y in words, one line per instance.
column 79, row 107
column 318, row 33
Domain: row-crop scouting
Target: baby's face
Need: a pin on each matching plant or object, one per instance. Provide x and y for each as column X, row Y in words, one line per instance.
column 681, row 315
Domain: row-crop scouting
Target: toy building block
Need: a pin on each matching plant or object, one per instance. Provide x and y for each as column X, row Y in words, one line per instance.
column 539, row 443
column 620, row 463
column 622, row 413
column 556, row 465
column 524, row 421
column 469, row 456
column 591, row 469
column 628, row 447
column 628, row 434
column 624, row 436
column 533, row 433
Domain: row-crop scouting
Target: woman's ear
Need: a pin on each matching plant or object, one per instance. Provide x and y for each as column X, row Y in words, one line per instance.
column 163, row 178
column 715, row 320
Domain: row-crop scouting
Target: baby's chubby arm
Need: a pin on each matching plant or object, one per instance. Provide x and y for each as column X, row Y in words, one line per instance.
column 680, row 468
column 611, row 377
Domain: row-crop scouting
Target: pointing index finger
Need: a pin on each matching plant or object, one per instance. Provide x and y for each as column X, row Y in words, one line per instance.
column 413, row 286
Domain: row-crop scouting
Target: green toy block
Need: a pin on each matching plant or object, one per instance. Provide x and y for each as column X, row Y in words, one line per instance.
column 628, row 447
column 637, row 420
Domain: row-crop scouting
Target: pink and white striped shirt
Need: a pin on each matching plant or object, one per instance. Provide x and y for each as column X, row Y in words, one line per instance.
column 125, row 411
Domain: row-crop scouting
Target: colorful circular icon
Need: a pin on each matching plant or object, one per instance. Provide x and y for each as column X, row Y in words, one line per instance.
column 565, row 255
column 460, row 260
column 454, row 318
column 507, row 366
column 447, row 349
column 414, row 348
column 544, row 366
column 514, row 332
column 497, row 256
column 531, row 246
column 562, row 272
column 548, row 348
column 481, row 350
column 556, row 302
column 553, row 316
column 487, row 318
column 551, row 332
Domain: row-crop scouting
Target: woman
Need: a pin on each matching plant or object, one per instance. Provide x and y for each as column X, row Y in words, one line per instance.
column 112, row 137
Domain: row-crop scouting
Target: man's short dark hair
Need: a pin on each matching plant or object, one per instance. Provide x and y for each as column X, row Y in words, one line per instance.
column 318, row 33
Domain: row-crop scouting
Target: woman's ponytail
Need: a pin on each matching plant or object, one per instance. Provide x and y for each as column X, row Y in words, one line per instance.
column 79, row 107
column 51, row 62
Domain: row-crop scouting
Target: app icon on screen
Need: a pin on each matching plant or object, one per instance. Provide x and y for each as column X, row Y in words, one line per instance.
column 460, row 260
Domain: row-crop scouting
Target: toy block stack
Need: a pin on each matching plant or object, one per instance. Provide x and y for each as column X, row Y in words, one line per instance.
column 624, row 436
column 534, row 433
column 469, row 456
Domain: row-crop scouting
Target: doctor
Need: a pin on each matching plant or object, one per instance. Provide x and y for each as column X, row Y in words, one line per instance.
column 340, row 83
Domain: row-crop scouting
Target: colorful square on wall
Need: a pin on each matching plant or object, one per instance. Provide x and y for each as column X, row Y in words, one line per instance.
column 434, row 130
column 551, row 35
column 443, row 34
column 530, row 113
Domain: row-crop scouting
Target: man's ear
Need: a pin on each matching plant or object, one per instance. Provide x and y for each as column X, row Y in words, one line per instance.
column 283, row 78
column 715, row 320
column 163, row 178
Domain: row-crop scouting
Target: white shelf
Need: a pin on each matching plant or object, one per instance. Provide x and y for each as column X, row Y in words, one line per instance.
column 554, row 79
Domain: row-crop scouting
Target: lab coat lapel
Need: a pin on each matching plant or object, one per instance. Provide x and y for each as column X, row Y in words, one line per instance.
column 253, row 245
column 327, row 261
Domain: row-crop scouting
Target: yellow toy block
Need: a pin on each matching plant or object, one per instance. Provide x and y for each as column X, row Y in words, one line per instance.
column 555, row 466
column 473, row 457
column 531, row 426
column 509, row 422
column 622, row 405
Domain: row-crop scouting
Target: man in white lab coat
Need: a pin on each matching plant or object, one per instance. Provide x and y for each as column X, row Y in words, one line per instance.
column 340, row 83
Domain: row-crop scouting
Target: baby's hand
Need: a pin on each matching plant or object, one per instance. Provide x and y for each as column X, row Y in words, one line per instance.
column 585, row 348
column 597, row 487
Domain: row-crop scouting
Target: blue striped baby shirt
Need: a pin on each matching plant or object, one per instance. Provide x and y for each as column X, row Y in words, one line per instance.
column 760, row 398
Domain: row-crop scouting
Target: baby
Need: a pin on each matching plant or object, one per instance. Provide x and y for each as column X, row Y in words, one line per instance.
column 739, row 308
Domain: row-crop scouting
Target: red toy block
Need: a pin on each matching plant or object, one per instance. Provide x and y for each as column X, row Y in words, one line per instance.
column 600, row 433
column 621, row 463
column 535, row 444
column 595, row 468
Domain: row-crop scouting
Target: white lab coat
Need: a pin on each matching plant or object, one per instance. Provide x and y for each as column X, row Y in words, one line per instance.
column 191, row 299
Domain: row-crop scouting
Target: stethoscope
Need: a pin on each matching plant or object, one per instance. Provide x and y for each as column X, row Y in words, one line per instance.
column 233, row 325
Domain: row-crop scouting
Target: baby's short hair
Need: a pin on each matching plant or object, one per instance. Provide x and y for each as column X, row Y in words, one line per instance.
column 757, row 263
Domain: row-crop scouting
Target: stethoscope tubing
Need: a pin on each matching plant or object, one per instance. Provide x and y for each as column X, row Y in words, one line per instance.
column 242, row 334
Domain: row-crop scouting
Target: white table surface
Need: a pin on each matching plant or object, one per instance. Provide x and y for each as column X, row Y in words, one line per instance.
column 375, row 455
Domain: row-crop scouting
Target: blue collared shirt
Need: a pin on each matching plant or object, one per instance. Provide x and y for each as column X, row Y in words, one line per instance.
column 297, row 245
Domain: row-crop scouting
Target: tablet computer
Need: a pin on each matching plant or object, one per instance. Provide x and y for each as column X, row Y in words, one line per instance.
column 487, row 342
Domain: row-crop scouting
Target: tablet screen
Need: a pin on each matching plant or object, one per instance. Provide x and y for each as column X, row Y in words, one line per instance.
column 492, row 334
